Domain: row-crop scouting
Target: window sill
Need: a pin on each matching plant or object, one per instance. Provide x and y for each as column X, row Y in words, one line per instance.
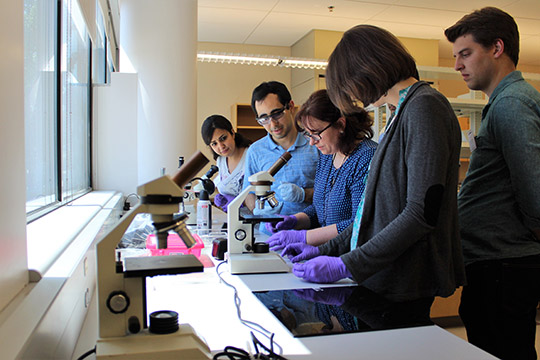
column 57, row 241
column 46, row 317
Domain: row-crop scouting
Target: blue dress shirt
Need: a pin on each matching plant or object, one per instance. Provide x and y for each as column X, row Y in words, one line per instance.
column 300, row 170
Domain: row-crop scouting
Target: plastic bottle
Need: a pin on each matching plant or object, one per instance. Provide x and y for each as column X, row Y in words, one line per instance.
column 204, row 214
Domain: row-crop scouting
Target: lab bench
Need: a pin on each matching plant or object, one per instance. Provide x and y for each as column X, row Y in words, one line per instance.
column 205, row 302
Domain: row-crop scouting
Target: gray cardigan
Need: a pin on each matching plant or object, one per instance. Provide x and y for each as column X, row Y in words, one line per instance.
column 409, row 245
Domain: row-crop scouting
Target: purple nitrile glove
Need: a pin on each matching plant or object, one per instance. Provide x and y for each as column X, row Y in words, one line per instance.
column 322, row 269
column 300, row 251
column 288, row 223
column 283, row 238
column 223, row 200
column 331, row 296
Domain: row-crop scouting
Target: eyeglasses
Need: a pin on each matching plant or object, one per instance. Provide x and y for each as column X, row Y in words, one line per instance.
column 275, row 115
column 316, row 136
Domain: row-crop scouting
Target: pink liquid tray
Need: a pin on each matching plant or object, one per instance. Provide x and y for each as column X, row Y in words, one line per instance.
column 174, row 246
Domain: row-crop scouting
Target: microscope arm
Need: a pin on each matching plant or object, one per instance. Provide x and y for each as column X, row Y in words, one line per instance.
column 108, row 280
column 236, row 228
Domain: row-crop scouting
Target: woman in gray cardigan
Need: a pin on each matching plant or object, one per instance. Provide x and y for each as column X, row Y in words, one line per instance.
column 404, row 243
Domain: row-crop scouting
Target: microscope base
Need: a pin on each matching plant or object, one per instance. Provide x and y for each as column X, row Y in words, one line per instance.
column 257, row 263
column 183, row 344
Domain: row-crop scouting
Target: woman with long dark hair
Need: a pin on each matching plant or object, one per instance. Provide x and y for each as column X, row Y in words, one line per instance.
column 229, row 150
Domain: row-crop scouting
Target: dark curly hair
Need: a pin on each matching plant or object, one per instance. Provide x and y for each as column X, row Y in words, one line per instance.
column 320, row 107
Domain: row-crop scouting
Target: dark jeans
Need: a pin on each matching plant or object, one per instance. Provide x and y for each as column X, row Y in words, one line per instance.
column 498, row 306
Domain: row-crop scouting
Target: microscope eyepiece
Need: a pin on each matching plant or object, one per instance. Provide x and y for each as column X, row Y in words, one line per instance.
column 283, row 159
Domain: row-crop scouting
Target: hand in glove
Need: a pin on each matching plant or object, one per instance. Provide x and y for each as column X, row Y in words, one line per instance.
column 300, row 251
column 291, row 192
column 288, row 223
column 283, row 238
column 331, row 296
column 223, row 200
column 322, row 269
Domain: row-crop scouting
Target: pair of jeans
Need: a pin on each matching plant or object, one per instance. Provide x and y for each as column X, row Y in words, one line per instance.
column 499, row 304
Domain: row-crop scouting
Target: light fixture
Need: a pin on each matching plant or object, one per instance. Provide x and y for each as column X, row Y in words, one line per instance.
column 243, row 59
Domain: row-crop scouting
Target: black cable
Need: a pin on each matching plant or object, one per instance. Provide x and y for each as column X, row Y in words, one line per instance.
column 232, row 353
column 86, row 354
column 254, row 326
column 127, row 205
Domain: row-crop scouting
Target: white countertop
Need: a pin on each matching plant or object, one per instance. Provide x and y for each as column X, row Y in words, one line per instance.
column 207, row 304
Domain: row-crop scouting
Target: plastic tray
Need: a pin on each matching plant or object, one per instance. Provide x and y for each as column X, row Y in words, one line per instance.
column 174, row 245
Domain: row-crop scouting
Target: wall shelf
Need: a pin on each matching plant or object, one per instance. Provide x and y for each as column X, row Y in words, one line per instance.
column 243, row 121
column 248, row 127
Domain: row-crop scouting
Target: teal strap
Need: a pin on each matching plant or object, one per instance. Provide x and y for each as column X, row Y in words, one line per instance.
column 356, row 224
column 358, row 218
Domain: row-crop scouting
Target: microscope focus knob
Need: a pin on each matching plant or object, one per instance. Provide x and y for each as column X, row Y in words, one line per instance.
column 118, row 302
column 240, row 234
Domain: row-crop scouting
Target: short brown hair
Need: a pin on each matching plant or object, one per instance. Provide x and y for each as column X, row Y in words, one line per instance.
column 365, row 64
column 357, row 124
column 486, row 26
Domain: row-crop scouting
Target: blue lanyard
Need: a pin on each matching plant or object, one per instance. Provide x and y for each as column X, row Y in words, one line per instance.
column 358, row 218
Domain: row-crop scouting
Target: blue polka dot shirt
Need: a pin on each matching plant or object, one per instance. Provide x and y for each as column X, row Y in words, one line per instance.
column 337, row 192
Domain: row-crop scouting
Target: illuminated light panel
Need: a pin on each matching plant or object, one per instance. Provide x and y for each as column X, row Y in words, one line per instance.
column 264, row 60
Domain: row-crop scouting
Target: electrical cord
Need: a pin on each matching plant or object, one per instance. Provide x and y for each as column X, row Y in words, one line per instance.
column 127, row 205
column 86, row 354
column 236, row 353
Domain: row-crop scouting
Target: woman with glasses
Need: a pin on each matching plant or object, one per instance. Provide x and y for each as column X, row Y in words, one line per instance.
column 404, row 243
column 346, row 151
column 229, row 151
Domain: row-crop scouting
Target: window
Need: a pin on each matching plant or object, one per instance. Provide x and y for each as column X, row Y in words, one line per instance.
column 99, row 59
column 57, row 104
column 40, row 84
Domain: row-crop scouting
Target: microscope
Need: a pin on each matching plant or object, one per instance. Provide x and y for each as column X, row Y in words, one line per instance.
column 121, row 286
column 245, row 256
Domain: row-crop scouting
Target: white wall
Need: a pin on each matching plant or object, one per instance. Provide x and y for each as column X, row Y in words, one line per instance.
column 115, row 134
column 159, row 40
column 13, row 273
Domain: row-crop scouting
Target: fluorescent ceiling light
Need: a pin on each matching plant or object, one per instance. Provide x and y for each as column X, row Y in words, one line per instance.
column 267, row 60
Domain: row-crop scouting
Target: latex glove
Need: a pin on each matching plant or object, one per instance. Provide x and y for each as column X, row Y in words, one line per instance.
column 322, row 269
column 283, row 238
column 288, row 223
column 331, row 296
column 300, row 251
column 291, row 192
column 223, row 200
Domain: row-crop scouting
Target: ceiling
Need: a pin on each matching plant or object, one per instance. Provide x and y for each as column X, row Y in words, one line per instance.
column 283, row 22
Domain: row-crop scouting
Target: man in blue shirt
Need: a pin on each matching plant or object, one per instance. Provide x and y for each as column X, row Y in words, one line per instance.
column 271, row 101
column 499, row 201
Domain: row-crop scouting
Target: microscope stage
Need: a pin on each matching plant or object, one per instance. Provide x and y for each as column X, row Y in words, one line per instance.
column 260, row 218
column 161, row 265
column 250, row 263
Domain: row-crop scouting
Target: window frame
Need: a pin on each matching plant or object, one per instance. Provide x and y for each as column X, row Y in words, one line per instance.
column 61, row 198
